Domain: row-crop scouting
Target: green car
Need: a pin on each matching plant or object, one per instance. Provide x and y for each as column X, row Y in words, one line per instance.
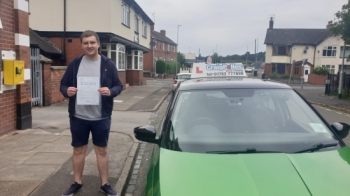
column 245, row 137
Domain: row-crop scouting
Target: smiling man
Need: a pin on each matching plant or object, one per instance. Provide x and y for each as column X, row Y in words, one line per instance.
column 90, row 82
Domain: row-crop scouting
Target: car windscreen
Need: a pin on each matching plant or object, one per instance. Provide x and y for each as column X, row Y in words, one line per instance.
column 271, row 120
column 186, row 76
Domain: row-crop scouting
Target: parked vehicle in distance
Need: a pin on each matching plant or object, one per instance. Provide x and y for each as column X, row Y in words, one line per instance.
column 179, row 78
column 249, row 69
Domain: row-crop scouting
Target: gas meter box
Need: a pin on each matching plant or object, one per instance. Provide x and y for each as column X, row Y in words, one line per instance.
column 13, row 72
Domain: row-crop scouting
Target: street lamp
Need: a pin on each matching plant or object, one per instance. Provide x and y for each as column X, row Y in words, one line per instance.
column 153, row 43
column 177, row 43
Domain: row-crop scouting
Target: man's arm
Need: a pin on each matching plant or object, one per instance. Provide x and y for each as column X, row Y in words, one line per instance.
column 66, row 80
column 117, row 86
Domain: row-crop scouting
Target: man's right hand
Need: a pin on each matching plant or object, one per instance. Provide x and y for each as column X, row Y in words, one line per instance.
column 71, row 91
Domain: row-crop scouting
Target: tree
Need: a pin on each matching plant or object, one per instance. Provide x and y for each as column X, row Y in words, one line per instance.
column 181, row 58
column 161, row 66
column 215, row 58
column 342, row 26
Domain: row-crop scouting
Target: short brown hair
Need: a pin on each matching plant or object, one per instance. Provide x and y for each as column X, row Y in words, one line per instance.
column 89, row 33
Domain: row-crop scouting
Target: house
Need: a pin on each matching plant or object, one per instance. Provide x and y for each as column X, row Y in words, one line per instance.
column 15, row 99
column 123, row 28
column 163, row 49
column 285, row 46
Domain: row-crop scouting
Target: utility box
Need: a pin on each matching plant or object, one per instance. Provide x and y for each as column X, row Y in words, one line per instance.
column 13, row 72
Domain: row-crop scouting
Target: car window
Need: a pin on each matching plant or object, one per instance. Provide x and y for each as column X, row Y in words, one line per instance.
column 187, row 76
column 269, row 119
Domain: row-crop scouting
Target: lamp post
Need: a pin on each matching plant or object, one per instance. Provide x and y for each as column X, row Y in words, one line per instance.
column 291, row 69
column 177, row 43
column 153, row 43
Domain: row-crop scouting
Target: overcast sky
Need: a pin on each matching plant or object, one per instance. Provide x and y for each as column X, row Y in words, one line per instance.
column 230, row 26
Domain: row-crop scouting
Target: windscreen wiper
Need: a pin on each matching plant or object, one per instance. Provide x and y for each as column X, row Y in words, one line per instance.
column 317, row 147
column 247, row 151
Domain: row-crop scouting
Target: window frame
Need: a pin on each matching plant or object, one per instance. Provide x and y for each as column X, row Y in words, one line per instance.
column 125, row 14
column 144, row 29
column 136, row 57
column 137, row 20
column 329, row 49
column 330, row 68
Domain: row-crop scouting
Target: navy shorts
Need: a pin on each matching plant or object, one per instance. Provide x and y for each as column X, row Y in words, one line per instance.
column 80, row 130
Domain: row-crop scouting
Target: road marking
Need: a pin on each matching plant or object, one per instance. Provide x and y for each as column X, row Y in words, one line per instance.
column 118, row 101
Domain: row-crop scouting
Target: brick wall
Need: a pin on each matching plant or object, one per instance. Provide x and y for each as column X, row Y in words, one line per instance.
column 7, row 37
column 73, row 47
column 7, row 42
column 316, row 79
column 56, row 76
column 7, row 111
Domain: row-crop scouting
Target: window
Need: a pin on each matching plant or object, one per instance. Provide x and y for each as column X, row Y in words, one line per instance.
column 329, row 51
column 168, row 47
column 135, row 60
column 163, row 46
column 104, row 49
column 155, row 46
column 296, row 71
column 136, row 24
column 121, row 57
column 174, row 49
column 116, row 52
column 144, row 29
column 331, row 68
column 125, row 14
column 241, row 118
column 347, row 52
column 281, row 50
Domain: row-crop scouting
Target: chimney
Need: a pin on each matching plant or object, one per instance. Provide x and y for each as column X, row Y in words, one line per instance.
column 330, row 24
column 162, row 32
column 271, row 23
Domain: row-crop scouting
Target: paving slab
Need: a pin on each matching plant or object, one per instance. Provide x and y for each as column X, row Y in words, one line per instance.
column 27, row 172
column 54, row 147
column 18, row 188
column 48, row 158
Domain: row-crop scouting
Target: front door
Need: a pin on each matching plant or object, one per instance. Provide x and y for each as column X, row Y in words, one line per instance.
column 281, row 68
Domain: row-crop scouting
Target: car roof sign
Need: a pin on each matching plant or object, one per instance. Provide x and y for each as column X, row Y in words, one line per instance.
column 202, row 70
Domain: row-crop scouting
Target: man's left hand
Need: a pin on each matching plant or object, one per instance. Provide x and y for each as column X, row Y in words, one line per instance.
column 104, row 91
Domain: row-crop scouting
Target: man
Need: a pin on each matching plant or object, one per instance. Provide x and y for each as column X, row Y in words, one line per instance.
column 90, row 82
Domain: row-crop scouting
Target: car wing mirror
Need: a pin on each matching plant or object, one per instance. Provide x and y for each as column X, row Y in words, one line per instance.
column 341, row 129
column 146, row 133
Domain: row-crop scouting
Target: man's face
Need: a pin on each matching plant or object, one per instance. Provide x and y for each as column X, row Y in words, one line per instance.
column 90, row 46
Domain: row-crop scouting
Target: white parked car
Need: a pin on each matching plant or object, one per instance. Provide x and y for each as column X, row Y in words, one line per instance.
column 249, row 69
column 180, row 77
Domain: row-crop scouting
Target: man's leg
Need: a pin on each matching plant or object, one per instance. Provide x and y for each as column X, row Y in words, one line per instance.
column 102, row 163
column 79, row 154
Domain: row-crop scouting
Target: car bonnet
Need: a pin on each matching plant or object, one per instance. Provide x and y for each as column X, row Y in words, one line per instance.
column 319, row 173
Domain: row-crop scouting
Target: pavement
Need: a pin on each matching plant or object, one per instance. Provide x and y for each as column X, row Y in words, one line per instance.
column 37, row 161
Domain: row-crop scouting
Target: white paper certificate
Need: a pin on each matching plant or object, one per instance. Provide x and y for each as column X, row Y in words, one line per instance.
column 88, row 91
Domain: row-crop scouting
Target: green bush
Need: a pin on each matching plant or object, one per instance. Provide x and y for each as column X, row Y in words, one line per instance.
column 284, row 76
column 320, row 71
column 273, row 75
column 171, row 67
column 161, row 66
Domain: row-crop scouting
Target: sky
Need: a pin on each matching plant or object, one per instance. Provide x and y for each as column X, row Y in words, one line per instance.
column 232, row 26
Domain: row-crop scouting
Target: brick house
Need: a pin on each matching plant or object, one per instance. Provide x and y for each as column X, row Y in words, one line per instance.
column 164, row 49
column 15, row 100
column 283, row 46
column 123, row 28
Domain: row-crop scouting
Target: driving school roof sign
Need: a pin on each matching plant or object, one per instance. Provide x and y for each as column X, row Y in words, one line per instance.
column 217, row 70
